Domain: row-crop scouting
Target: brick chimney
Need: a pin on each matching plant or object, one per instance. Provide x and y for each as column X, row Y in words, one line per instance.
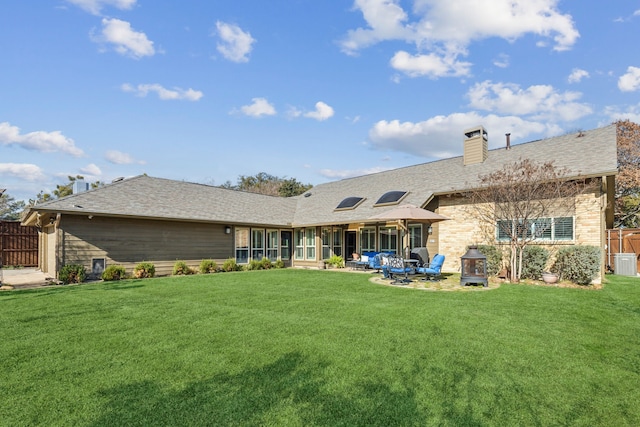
column 476, row 145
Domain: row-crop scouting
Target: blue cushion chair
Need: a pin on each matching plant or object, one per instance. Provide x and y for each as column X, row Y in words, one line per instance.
column 432, row 271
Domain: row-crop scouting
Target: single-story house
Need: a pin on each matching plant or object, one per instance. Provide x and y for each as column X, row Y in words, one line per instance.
column 162, row 221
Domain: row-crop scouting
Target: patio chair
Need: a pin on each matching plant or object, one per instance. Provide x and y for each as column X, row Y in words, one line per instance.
column 395, row 269
column 432, row 271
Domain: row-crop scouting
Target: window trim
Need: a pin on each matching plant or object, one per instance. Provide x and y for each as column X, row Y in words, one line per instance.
column 552, row 230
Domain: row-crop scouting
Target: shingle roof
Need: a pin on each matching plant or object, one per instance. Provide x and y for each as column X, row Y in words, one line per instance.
column 148, row 197
column 590, row 153
column 584, row 154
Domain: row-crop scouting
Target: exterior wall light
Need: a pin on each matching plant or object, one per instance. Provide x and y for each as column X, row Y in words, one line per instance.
column 227, row 230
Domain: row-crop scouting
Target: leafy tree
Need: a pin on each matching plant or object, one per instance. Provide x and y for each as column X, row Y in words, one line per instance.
column 62, row 190
column 10, row 209
column 271, row 185
column 627, row 207
column 518, row 199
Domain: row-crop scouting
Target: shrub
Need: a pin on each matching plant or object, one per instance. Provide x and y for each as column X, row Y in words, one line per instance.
column 144, row 270
column 279, row 264
column 254, row 264
column 494, row 258
column 114, row 272
column 72, row 273
column 180, row 268
column 230, row 265
column 580, row 264
column 534, row 262
column 266, row 263
column 208, row 266
column 335, row 261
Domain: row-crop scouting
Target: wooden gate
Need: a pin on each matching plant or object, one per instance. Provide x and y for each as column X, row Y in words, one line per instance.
column 18, row 245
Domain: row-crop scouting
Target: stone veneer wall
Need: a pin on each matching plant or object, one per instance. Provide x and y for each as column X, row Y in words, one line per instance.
column 463, row 229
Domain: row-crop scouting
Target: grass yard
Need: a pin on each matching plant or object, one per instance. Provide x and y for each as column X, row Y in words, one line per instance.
column 318, row 348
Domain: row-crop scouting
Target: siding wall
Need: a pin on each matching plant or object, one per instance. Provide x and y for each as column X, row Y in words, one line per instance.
column 129, row 241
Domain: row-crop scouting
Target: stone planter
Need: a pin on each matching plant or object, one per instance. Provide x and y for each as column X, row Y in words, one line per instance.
column 549, row 278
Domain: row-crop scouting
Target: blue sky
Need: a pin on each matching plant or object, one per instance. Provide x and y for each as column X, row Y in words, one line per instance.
column 205, row 91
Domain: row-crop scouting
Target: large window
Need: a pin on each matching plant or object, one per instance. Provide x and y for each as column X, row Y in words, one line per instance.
column 257, row 244
column 415, row 236
column 337, row 241
column 299, row 239
column 388, row 239
column 310, row 243
column 368, row 239
column 326, row 242
column 242, row 245
column 561, row 228
column 272, row 245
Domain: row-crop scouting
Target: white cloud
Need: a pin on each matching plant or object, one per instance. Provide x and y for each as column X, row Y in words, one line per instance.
column 44, row 142
column 502, row 61
column 630, row 81
column 120, row 158
column 91, row 169
column 260, row 107
column 539, row 101
column 25, row 171
column 435, row 138
column 175, row 93
column 614, row 113
column 349, row 173
column 444, row 29
column 235, row 44
column 322, row 112
column 430, row 65
column 95, row 6
column 577, row 75
column 126, row 41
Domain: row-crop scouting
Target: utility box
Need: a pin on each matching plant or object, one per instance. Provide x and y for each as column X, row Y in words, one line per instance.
column 626, row 264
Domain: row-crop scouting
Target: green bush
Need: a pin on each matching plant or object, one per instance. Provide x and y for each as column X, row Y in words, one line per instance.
column 534, row 262
column 336, row 261
column 72, row 273
column 180, row 268
column 254, row 264
column 580, row 264
column 144, row 270
column 279, row 264
column 266, row 263
column 231, row 265
column 494, row 258
column 114, row 272
column 208, row 266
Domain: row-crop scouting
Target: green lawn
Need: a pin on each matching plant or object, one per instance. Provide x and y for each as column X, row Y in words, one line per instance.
column 305, row 348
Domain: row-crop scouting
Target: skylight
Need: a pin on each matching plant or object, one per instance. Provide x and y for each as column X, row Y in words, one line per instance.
column 350, row 203
column 391, row 197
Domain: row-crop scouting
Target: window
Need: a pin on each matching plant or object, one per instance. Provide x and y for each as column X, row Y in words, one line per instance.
column 257, row 244
column 368, row 240
column 310, row 243
column 560, row 228
column 350, row 203
column 337, row 241
column 272, row 245
column 391, row 198
column 299, row 239
column 415, row 236
column 388, row 239
column 326, row 242
column 242, row 245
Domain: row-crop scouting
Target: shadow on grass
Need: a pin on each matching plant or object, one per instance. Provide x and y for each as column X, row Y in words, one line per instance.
column 289, row 391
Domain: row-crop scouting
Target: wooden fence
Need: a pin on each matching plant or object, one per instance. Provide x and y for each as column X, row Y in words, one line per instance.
column 18, row 245
column 622, row 241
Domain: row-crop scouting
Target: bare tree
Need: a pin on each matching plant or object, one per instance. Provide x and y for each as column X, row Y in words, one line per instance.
column 519, row 203
column 627, row 210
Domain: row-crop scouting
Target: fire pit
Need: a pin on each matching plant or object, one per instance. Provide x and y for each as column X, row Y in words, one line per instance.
column 474, row 268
